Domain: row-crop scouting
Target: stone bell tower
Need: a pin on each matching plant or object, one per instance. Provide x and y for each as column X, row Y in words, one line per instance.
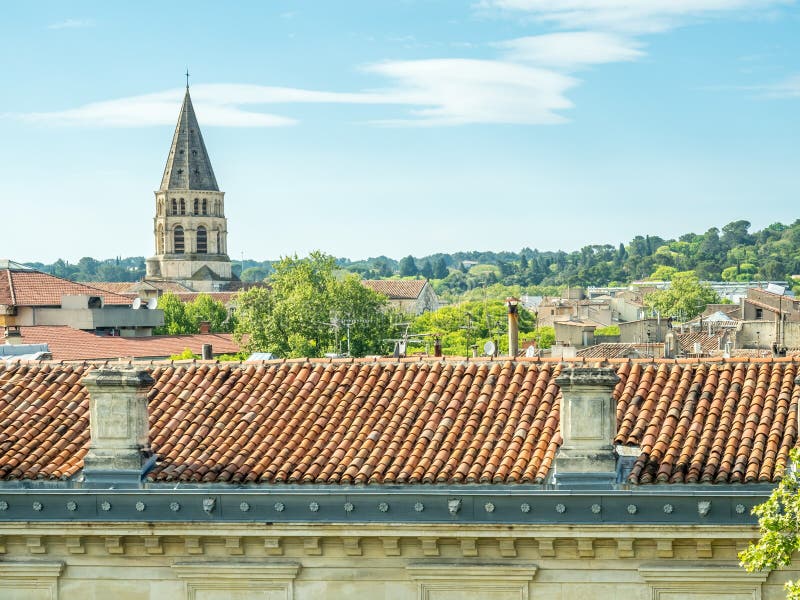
column 190, row 228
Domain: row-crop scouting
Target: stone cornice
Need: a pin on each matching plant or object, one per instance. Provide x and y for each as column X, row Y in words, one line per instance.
column 486, row 506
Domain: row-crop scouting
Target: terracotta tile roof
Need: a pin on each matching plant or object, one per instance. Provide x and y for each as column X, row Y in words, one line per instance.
column 621, row 350
column 409, row 422
column 132, row 287
column 66, row 343
column 34, row 288
column 397, row 289
column 116, row 287
column 709, row 344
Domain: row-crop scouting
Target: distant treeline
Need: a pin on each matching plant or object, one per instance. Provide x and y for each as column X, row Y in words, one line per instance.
column 730, row 254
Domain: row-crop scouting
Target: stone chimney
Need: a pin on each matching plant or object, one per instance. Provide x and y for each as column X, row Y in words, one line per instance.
column 119, row 451
column 13, row 335
column 588, row 426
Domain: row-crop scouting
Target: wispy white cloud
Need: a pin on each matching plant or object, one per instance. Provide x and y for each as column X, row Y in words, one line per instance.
column 572, row 49
column 462, row 91
column 788, row 88
column 642, row 16
column 72, row 24
column 427, row 92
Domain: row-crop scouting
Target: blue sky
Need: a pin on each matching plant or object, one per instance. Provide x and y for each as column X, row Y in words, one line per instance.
column 376, row 127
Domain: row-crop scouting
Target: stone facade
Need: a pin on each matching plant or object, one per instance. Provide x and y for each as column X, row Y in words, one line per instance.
column 259, row 561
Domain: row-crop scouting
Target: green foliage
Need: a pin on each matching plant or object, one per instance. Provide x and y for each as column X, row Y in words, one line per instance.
column 308, row 312
column 254, row 274
column 205, row 308
column 609, row 331
column 185, row 317
column 663, row 273
column 732, row 253
column 176, row 321
column 544, row 337
column 471, row 323
column 187, row 354
column 685, row 299
column 408, row 267
column 779, row 528
column 238, row 357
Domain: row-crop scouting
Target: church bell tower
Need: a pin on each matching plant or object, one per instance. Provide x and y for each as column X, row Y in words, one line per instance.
column 190, row 228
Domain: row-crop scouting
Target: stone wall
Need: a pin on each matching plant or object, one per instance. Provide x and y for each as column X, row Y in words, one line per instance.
column 431, row 562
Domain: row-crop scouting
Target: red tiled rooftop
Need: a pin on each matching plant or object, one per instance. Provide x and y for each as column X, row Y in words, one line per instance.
column 34, row 288
column 409, row 421
column 66, row 343
column 396, row 289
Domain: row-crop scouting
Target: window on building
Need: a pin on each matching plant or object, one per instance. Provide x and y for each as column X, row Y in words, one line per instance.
column 196, row 206
column 205, row 206
column 182, row 205
column 202, row 240
column 174, row 206
column 178, row 240
column 759, row 313
column 219, row 246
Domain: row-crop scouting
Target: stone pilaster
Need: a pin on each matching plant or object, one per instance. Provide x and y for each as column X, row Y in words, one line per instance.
column 118, row 424
column 588, row 426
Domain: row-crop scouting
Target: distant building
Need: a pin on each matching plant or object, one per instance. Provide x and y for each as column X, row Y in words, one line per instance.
column 29, row 297
column 410, row 296
column 190, row 228
column 767, row 305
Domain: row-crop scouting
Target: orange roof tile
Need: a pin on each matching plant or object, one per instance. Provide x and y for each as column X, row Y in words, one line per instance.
column 409, row 422
column 34, row 288
column 397, row 289
column 116, row 287
column 66, row 343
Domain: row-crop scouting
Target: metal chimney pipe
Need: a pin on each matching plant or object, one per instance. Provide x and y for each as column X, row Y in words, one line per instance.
column 513, row 326
column 207, row 352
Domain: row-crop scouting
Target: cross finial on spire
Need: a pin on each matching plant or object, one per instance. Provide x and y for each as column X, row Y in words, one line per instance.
column 187, row 78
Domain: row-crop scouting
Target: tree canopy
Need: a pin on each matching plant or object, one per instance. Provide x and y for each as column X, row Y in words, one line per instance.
column 779, row 528
column 307, row 312
column 685, row 299
column 185, row 317
column 471, row 323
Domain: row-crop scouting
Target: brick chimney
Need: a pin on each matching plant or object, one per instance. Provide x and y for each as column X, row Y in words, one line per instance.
column 588, row 426
column 119, row 451
column 205, row 327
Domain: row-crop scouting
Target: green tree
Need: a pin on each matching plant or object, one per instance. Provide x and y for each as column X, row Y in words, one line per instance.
column 471, row 323
column 663, row 273
column 779, row 528
column 408, row 267
column 686, row 297
column 427, row 270
column 253, row 319
column 440, row 270
column 205, row 308
column 176, row 321
column 308, row 312
column 254, row 274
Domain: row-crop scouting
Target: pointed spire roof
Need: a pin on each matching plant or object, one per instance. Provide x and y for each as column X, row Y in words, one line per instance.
column 188, row 165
